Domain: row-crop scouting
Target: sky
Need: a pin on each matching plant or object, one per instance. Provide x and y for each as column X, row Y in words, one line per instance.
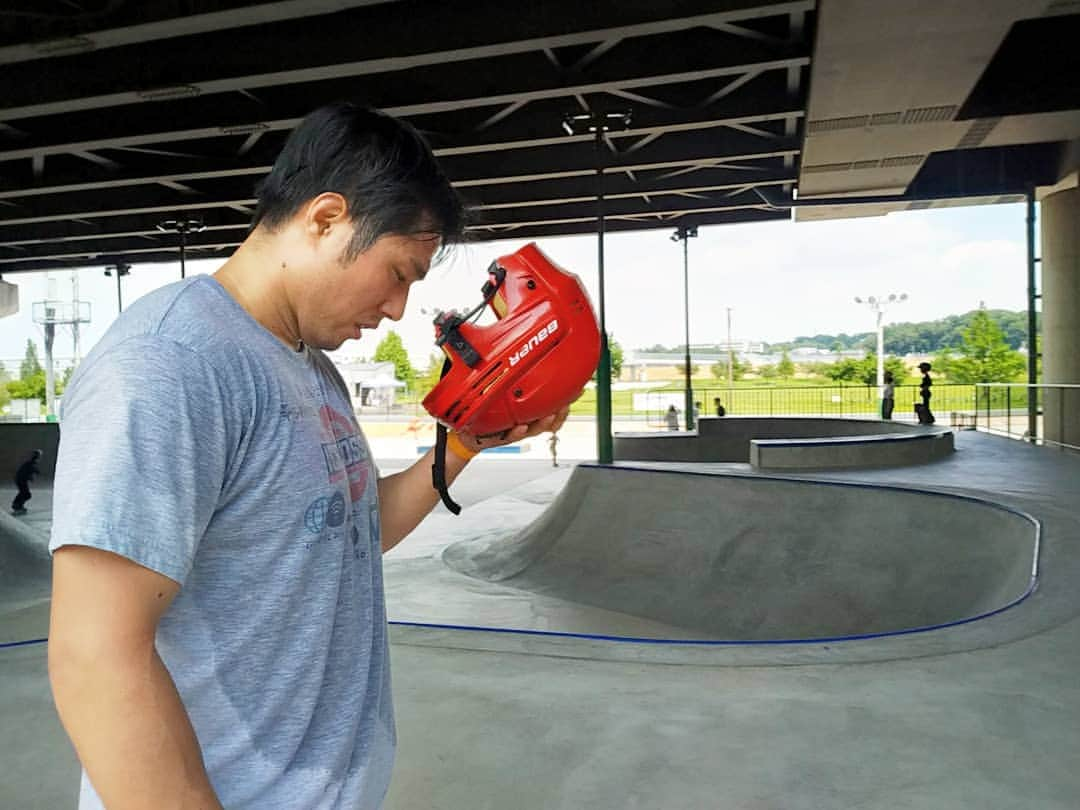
column 781, row 280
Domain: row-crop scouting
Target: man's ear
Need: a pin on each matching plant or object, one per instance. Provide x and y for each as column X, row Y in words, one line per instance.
column 324, row 213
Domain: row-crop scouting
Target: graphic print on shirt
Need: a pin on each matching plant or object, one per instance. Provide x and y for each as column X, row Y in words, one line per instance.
column 325, row 512
column 346, row 459
column 344, row 453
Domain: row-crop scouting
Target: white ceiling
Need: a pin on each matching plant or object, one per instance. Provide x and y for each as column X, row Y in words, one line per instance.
column 928, row 55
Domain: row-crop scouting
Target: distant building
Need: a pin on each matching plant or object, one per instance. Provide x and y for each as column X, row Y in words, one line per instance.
column 371, row 385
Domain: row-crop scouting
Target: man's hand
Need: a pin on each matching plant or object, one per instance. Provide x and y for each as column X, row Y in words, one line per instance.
column 407, row 497
column 517, row 433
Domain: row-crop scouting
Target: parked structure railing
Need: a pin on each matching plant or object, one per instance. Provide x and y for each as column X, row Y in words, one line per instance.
column 840, row 400
column 1041, row 414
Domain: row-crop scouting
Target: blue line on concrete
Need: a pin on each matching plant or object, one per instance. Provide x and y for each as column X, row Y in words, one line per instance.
column 26, row 643
column 714, row 642
column 679, row 641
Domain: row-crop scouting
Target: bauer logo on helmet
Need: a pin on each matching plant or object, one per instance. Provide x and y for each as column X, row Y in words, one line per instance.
column 534, row 341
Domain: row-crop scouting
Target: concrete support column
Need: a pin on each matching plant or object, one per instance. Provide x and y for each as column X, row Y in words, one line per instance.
column 1060, row 217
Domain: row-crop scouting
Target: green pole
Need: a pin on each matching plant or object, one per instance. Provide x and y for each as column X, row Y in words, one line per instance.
column 1033, row 342
column 683, row 234
column 604, row 449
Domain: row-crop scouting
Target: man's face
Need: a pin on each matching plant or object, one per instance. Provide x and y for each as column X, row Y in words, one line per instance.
column 342, row 298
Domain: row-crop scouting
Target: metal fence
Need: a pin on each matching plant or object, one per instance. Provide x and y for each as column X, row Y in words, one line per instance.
column 1041, row 414
column 954, row 404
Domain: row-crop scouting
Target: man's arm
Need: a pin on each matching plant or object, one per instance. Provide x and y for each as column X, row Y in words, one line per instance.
column 115, row 697
column 407, row 497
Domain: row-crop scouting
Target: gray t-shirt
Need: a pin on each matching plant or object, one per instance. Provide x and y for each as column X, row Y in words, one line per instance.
column 198, row 445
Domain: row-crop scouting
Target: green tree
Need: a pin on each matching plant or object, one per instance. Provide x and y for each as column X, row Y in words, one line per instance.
column 615, row 350
column 785, row 368
column 694, row 369
column 32, row 387
column 814, row 368
column 868, row 369
column 768, row 372
column 615, row 353
column 430, row 378
column 391, row 349
column 846, row 370
column 30, row 364
column 5, row 378
column 986, row 355
column 864, row 370
column 739, row 368
column 943, row 362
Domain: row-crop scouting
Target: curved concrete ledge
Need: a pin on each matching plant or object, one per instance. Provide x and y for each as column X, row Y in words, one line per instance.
column 791, row 443
column 846, row 452
column 838, row 561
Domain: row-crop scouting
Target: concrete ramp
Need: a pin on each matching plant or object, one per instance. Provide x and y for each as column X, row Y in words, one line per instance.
column 750, row 558
column 25, row 581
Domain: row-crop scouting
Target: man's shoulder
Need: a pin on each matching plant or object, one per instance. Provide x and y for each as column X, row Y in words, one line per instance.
column 190, row 324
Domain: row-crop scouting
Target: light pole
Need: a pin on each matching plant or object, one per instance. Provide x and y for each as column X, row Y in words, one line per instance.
column 880, row 304
column 121, row 270
column 598, row 124
column 182, row 227
column 730, row 360
column 683, row 234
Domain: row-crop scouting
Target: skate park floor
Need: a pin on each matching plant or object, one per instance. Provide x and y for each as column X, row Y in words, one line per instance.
column 984, row 714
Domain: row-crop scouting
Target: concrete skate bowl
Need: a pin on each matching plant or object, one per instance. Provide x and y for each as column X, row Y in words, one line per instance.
column 25, row 569
column 791, row 443
column 747, row 559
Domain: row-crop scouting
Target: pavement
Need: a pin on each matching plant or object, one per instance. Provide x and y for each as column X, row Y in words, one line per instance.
column 565, row 692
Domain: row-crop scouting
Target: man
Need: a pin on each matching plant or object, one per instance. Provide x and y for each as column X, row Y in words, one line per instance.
column 23, row 476
column 218, row 632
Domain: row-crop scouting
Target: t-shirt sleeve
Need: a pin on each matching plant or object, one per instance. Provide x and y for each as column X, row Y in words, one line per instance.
column 144, row 451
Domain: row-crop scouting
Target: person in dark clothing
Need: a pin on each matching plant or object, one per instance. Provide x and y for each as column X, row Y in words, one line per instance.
column 720, row 411
column 923, row 410
column 23, row 476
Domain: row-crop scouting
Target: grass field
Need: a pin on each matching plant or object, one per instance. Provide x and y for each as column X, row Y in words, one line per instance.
column 755, row 399
column 771, row 398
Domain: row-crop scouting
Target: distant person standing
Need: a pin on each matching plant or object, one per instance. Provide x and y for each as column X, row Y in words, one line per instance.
column 888, row 397
column 23, row 476
column 720, row 410
column 925, row 416
column 672, row 417
column 553, row 445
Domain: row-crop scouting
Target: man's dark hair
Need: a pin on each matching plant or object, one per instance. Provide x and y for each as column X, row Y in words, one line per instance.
column 382, row 166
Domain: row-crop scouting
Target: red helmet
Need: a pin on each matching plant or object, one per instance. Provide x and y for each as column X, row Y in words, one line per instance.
column 526, row 365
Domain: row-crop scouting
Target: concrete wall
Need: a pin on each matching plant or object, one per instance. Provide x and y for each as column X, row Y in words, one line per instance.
column 753, row 558
column 1060, row 221
column 727, row 439
column 18, row 441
